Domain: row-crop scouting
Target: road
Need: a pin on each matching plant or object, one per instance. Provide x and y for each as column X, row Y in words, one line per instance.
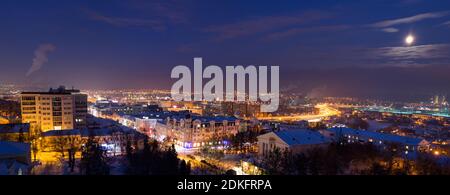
column 325, row 111
column 223, row 164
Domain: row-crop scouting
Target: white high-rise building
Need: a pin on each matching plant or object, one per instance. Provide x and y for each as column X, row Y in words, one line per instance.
column 57, row 109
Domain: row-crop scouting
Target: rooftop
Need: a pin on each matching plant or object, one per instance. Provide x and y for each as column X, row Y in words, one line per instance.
column 15, row 128
column 301, row 137
column 12, row 149
column 206, row 119
column 378, row 136
column 59, row 91
column 87, row 132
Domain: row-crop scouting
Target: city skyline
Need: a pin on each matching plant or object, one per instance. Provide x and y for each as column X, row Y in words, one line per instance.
column 320, row 50
column 224, row 88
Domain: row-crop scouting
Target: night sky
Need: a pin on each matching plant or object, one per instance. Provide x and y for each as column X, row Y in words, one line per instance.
column 345, row 48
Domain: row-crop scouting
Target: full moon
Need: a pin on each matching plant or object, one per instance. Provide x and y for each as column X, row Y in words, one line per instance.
column 409, row 39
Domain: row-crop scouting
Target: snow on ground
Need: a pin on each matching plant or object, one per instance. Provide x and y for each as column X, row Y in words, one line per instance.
column 375, row 125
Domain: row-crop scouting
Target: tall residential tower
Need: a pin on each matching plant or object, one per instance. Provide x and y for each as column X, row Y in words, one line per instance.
column 57, row 109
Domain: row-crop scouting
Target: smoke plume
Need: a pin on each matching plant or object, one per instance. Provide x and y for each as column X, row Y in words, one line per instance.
column 40, row 57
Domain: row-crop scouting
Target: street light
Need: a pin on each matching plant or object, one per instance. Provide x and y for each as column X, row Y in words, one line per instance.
column 436, row 152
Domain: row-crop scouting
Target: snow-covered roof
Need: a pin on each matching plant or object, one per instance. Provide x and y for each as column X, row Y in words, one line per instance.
column 11, row 167
column 88, row 132
column 15, row 128
column 301, row 137
column 377, row 136
column 207, row 119
column 102, row 122
column 13, row 149
column 68, row 132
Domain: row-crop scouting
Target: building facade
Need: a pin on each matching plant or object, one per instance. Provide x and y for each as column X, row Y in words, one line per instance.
column 294, row 140
column 113, row 140
column 57, row 109
column 408, row 145
column 15, row 132
column 196, row 132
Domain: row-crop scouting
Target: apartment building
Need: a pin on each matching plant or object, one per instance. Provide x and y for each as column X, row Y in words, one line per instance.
column 197, row 131
column 57, row 109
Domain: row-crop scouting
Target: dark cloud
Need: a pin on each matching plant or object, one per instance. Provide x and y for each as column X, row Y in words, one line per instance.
column 433, row 51
column 296, row 31
column 446, row 24
column 262, row 24
column 170, row 11
column 127, row 22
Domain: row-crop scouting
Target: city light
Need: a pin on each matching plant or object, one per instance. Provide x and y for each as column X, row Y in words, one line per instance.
column 436, row 152
column 235, row 88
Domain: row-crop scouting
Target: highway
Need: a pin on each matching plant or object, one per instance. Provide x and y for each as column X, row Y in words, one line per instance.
column 325, row 111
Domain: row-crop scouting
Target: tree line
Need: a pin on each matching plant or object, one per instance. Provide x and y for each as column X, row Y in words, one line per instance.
column 154, row 159
column 352, row 159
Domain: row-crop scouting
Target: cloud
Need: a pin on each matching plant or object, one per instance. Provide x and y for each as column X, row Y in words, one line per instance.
column 40, row 57
column 262, row 24
column 296, row 31
column 410, row 56
column 433, row 51
column 446, row 24
column 127, row 22
column 169, row 9
column 407, row 20
column 404, row 64
column 390, row 30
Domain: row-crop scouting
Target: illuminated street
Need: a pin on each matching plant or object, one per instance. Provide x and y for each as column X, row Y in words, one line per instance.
column 325, row 111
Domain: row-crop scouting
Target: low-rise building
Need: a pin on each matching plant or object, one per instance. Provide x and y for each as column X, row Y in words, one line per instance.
column 349, row 135
column 15, row 158
column 147, row 123
column 192, row 131
column 15, row 132
column 295, row 140
column 113, row 140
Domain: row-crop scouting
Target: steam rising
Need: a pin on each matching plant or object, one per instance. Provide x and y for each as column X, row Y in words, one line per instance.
column 40, row 57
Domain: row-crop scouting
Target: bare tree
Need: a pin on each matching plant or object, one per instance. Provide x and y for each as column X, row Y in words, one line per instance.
column 59, row 144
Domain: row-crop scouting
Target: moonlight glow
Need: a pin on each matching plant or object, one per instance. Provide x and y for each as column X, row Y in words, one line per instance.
column 409, row 40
